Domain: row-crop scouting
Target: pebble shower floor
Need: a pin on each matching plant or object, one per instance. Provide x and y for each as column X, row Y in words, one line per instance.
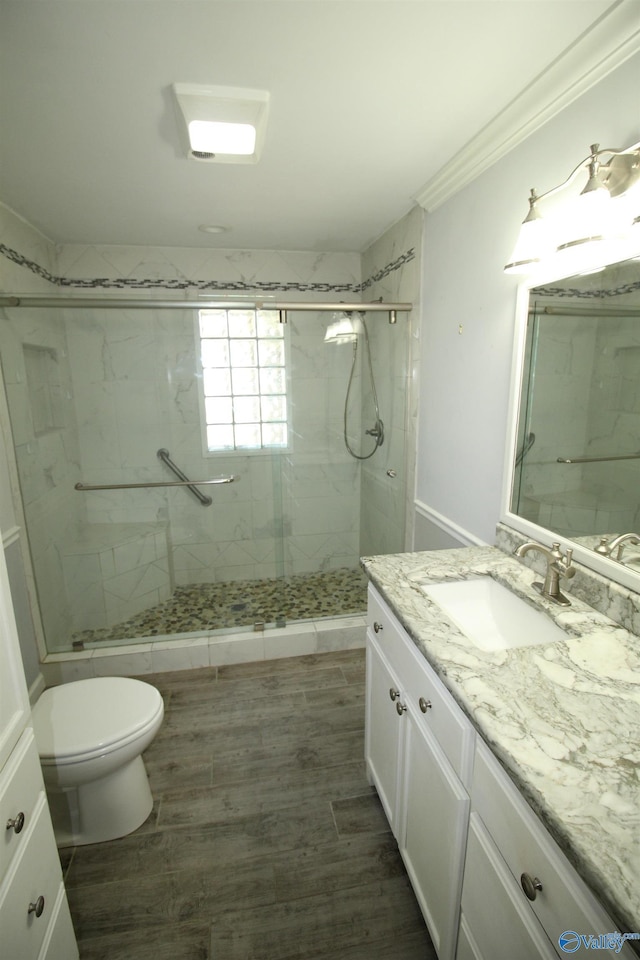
column 241, row 603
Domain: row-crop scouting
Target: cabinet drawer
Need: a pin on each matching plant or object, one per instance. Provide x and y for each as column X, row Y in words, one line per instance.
column 502, row 927
column 35, row 873
column 564, row 902
column 423, row 688
column 20, row 786
column 60, row 941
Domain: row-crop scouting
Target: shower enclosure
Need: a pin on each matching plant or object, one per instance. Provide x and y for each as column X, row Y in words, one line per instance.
column 191, row 468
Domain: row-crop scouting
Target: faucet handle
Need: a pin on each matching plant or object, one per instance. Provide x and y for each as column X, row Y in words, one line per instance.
column 603, row 547
column 569, row 570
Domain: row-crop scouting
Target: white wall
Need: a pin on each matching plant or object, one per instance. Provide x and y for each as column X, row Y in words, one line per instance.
column 469, row 303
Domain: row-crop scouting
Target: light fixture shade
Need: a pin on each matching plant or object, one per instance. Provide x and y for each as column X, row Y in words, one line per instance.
column 586, row 218
column 222, row 124
column 532, row 246
column 344, row 328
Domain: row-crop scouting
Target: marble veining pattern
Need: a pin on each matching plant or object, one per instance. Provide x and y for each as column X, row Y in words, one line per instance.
column 563, row 719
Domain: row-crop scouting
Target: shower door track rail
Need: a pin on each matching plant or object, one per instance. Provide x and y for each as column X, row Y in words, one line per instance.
column 257, row 303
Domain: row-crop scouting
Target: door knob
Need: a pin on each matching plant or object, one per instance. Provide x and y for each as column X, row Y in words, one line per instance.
column 37, row 907
column 16, row 823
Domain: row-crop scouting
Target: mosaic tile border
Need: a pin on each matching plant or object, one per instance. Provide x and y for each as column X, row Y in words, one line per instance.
column 588, row 294
column 269, row 286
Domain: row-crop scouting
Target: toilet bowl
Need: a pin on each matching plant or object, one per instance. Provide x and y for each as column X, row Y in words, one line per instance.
column 90, row 736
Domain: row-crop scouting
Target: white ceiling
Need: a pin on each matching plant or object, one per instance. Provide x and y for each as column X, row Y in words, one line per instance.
column 368, row 101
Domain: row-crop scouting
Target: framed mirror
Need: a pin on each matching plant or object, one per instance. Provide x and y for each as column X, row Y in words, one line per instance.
column 572, row 470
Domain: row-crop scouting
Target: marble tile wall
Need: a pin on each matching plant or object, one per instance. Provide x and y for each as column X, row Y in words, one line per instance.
column 387, row 503
column 114, row 571
column 47, row 459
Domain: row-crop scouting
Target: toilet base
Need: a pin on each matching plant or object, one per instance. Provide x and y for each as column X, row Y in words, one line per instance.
column 103, row 809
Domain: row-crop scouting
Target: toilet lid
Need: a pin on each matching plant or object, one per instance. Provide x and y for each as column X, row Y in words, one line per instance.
column 83, row 716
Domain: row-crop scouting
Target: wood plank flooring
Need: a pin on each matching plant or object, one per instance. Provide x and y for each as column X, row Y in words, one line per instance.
column 265, row 842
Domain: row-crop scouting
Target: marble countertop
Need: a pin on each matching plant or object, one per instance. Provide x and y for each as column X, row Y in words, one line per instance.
column 563, row 719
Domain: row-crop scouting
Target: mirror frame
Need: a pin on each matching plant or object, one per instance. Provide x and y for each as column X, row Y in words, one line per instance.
column 610, row 569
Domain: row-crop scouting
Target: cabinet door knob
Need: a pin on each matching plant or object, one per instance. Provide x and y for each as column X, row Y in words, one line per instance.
column 377, row 626
column 400, row 707
column 424, row 704
column 16, row 823
column 530, row 885
column 394, row 694
column 37, row 907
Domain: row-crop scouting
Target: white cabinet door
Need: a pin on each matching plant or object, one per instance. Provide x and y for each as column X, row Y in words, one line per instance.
column 435, row 814
column 384, row 728
column 14, row 700
column 502, row 927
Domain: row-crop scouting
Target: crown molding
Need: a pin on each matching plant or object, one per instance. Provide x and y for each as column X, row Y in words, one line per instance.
column 611, row 40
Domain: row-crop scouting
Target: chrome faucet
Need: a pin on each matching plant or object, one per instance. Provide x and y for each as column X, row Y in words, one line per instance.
column 606, row 549
column 557, row 566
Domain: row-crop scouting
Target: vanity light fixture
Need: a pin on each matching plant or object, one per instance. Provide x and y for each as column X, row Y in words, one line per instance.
column 605, row 210
column 222, row 124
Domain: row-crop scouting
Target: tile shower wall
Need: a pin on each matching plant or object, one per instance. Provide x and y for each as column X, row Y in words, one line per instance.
column 143, row 364
column 387, row 502
column 37, row 379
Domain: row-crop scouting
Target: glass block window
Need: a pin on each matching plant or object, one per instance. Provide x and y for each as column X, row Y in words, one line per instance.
column 244, row 379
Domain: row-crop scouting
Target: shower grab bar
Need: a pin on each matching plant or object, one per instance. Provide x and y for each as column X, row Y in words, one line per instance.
column 627, row 456
column 163, row 454
column 184, row 481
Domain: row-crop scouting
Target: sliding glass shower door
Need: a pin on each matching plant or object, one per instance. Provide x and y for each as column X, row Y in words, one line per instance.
column 114, row 411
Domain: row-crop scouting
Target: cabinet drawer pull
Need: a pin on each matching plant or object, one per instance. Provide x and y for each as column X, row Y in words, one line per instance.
column 400, row 707
column 424, row 704
column 377, row 626
column 16, row 823
column 394, row 694
column 37, row 907
column 530, row 885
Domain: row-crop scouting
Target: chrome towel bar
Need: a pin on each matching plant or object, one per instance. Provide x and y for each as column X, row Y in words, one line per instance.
column 161, row 483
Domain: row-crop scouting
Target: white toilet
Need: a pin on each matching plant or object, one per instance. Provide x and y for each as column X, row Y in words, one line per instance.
column 90, row 736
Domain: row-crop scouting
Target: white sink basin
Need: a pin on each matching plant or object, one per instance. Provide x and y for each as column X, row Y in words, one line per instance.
column 491, row 616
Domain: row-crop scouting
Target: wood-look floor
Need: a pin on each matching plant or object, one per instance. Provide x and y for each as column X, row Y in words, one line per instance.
column 265, row 842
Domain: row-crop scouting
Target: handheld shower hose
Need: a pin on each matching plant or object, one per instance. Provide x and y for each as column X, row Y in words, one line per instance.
column 377, row 431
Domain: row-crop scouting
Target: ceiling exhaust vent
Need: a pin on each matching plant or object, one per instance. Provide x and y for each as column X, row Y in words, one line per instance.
column 222, row 124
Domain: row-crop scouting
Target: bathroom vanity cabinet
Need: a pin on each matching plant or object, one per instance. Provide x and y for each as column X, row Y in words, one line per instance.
column 35, row 922
column 419, row 753
column 491, row 882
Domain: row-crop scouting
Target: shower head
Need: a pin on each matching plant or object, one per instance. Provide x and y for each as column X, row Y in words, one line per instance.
column 344, row 327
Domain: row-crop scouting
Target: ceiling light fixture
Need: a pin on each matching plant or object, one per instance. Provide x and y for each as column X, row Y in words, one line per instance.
column 212, row 228
column 222, row 124
column 602, row 214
